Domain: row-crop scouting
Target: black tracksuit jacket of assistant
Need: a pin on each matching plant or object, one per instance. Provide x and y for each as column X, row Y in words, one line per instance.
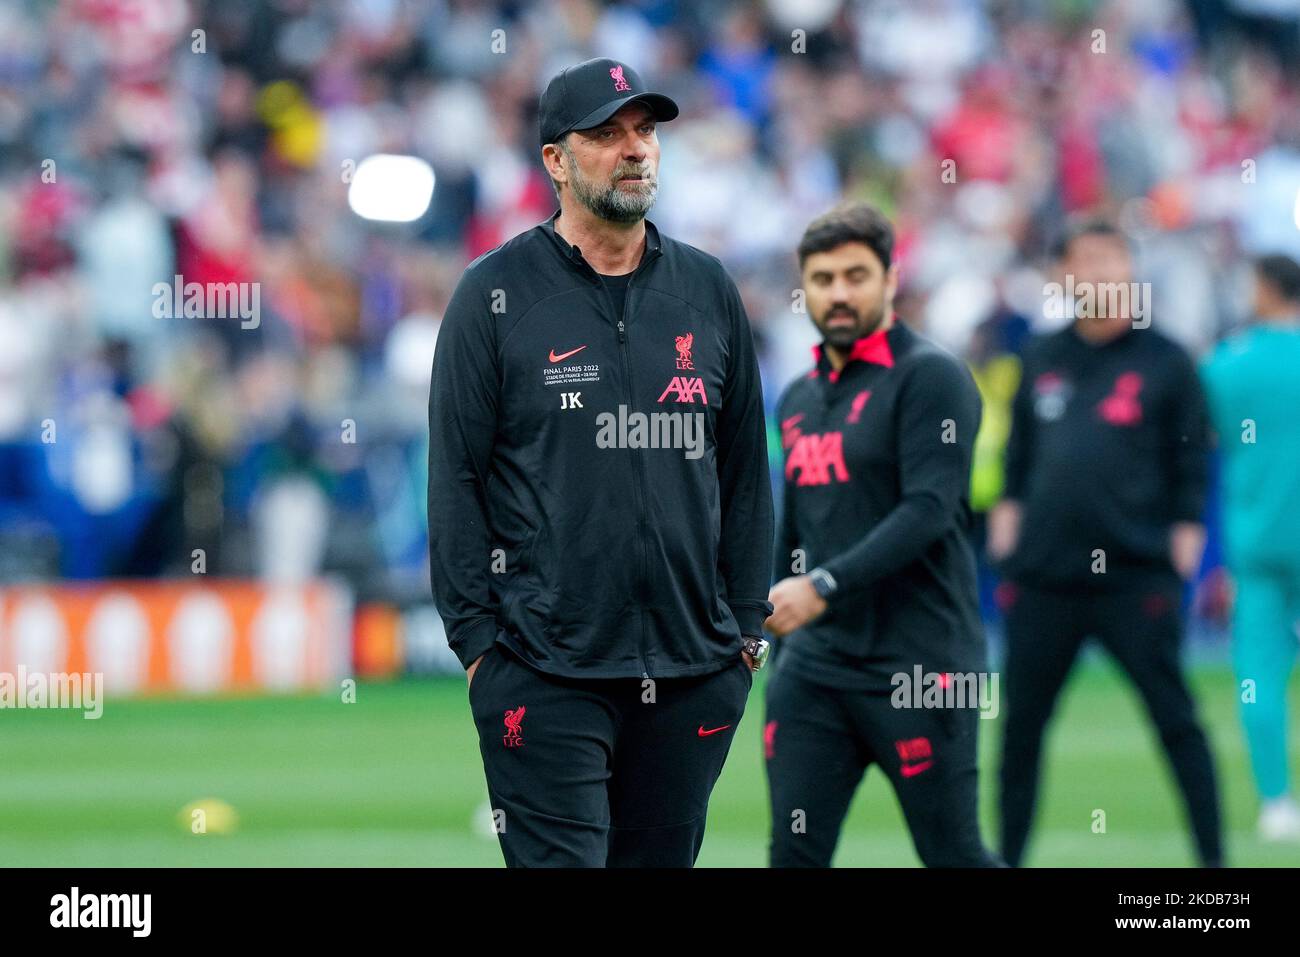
column 593, row 561
column 1109, row 447
column 877, row 478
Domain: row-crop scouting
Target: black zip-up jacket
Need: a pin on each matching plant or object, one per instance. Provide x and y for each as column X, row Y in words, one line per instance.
column 1108, row 448
column 555, row 526
column 877, row 479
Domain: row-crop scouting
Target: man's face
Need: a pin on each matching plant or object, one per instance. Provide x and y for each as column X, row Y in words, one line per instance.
column 613, row 168
column 1101, row 261
column 849, row 292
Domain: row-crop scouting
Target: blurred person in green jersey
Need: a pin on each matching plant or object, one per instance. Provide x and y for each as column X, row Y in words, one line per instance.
column 1253, row 383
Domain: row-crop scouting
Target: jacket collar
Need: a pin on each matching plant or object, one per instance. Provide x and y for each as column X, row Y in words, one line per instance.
column 873, row 348
column 653, row 244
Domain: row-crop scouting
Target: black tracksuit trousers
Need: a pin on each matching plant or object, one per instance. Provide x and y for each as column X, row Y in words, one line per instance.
column 603, row 772
column 1141, row 628
column 819, row 741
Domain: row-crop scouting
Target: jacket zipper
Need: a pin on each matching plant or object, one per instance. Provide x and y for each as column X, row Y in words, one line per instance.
column 638, row 465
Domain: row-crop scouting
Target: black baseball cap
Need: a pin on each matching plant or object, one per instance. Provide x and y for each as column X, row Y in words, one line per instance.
column 580, row 97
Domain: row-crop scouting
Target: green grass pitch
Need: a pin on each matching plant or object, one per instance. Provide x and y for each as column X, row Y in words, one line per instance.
column 395, row 779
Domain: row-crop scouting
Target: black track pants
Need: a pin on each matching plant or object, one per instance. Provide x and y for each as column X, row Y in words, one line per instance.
column 819, row 741
column 1141, row 629
column 607, row 772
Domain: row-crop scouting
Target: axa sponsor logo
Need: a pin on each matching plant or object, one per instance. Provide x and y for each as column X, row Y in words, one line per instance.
column 684, row 388
column 813, row 458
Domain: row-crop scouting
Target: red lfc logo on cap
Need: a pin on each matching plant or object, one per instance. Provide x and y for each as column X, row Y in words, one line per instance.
column 620, row 84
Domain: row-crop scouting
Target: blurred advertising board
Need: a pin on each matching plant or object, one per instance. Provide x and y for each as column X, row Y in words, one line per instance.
column 185, row 638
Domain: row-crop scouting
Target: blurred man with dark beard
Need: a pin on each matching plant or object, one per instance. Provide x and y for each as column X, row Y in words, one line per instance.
column 878, row 620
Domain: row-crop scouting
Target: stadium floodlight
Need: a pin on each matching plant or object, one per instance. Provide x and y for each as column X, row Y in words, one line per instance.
column 390, row 188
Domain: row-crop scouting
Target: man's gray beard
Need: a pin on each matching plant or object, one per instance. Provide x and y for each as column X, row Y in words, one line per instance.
column 612, row 203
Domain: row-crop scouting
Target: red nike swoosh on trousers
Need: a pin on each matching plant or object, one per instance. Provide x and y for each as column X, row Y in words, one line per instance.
column 705, row 734
column 555, row 358
column 911, row 770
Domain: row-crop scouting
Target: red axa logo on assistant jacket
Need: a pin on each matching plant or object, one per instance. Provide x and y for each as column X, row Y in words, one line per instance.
column 813, row 459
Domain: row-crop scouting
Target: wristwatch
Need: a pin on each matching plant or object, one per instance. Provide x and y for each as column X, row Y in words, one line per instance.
column 757, row 649
column 823, row 583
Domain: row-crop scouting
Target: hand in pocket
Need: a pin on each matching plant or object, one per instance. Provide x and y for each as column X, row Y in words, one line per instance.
column 469, row 675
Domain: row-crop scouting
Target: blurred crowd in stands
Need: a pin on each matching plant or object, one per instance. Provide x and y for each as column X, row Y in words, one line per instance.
column 142, row 139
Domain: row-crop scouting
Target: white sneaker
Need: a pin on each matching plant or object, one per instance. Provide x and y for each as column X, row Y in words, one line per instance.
column 1279, row 820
